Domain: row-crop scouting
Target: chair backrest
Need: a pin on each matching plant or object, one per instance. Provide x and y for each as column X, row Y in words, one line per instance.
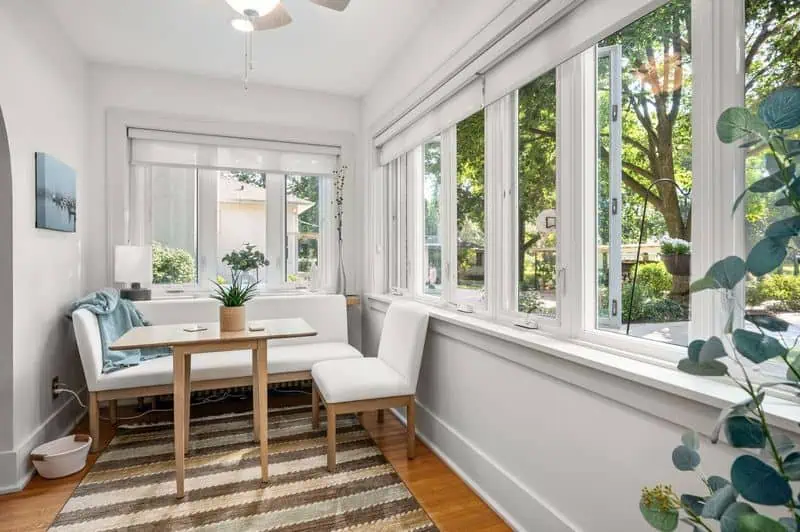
column 403, row 339
column 87, row 335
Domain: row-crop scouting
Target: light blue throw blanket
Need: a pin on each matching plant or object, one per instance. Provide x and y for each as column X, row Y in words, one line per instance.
column 116, row 316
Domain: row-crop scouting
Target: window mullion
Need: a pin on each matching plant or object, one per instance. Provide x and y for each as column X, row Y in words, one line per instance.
column 449, row 217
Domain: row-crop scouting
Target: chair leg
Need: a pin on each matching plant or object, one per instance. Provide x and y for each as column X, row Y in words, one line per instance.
column 380, row 415
column 112, row 411
column 314, row 405
column 94, row 421
column 411, row 433
column 330, row 409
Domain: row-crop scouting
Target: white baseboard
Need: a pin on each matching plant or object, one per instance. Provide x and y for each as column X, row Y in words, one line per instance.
column 15, row 465
column 520, row 506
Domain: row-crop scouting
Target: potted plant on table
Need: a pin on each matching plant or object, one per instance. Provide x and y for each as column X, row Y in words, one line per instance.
column 763, row 474
column 676, row 254
column 233, row 296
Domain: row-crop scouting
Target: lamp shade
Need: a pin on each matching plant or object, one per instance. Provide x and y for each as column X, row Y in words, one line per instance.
column 253, row 8
column 133, row 264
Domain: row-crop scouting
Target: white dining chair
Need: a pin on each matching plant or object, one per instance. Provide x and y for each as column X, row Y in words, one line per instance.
column 368, row 384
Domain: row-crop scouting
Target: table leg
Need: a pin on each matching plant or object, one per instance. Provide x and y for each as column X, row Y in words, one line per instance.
column 256, row 394
column 260, row 381
column 179, row 405
column 188, row 402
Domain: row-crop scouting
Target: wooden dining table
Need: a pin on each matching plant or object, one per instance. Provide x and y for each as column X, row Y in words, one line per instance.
column 184, row 344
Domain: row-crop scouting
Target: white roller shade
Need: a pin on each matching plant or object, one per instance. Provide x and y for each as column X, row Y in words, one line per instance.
column 587, row 24
column 466, row 102
column 160, row 148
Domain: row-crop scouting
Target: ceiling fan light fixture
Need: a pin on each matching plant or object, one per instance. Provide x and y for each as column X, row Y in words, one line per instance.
column 242, row 24
column 253, row 8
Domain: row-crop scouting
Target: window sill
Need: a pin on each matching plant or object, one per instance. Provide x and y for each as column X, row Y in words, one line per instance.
column 783, row 413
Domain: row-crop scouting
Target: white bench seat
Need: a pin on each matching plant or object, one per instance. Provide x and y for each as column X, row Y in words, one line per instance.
column 281, row 359
column 287, row 360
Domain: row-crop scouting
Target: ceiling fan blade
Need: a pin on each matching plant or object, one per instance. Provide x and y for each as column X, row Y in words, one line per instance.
column 338, row 5
column 277, row 18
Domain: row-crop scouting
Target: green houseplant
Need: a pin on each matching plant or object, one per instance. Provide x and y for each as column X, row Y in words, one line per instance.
column 763, row 478
column 246, row 259
column 233, row 296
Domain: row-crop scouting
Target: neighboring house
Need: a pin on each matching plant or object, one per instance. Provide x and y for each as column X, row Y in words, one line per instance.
column 240, row 219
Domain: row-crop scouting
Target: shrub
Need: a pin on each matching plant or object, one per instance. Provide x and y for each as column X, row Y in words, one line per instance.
column 780, row 292
column 655, row 276
column 172, row 265
column 649, row 306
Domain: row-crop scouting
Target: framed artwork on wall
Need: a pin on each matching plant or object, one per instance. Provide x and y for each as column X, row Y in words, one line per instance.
column 56, row 200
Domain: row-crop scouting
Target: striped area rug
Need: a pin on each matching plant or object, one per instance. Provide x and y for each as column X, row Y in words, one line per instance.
column 132, row 486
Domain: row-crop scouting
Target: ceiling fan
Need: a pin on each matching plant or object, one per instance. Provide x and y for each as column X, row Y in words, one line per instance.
column 271, row 14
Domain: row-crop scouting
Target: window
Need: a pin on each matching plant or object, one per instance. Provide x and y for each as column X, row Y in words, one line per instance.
column 432, row 217
column 470, row 211
column 644, row 176
column 581, row 180
column 241, row 231
column 209, row 208
column 174, row 225
column 537, row 220
column 302, row 228
column 772, row 60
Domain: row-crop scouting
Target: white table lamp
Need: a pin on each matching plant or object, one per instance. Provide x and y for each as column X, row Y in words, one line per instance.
column 134, row 265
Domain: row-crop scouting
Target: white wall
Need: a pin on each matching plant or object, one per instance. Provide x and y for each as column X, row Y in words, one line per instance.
column 43, row 98
column 213, row 101
column 548, row 447
column 448, row 27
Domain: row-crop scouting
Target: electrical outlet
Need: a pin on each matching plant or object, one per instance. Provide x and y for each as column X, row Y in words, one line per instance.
column 54, row 386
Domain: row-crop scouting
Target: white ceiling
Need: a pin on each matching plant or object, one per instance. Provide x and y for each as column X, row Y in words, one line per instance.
column 322, row 50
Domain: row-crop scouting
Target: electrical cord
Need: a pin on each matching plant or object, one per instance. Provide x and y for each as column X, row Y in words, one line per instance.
column 61, row 387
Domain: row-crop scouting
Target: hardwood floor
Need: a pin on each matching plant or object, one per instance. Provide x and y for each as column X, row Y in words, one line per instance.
column 449, row 502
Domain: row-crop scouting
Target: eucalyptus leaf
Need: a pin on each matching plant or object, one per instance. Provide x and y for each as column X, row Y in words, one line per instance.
column 719, row 502
column 691, row 440
column 766, row 256
column 727, row 272
column 759, row 523
column 767, row 184
column 685, row 459
column 757, row 347
column 714, row 368
column 737, row 409
column 784, row 229
column 664, row 520
column 737, row 123
column 781, row 109
column 694, row 349
column 758, row 482
column 767, row 321
column 744, row 433
column 693, row 502
column 716, row 483
column 712, row 350
column 793, row 360
column 791, row 465
column 788, row 523
column 729, row 522
column 783, row 443
column 704, row 283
